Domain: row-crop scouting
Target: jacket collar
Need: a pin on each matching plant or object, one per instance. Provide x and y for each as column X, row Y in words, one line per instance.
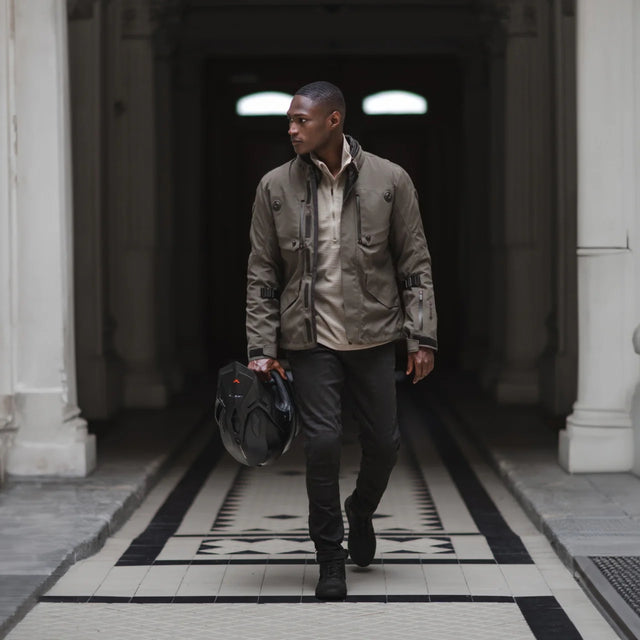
column 356, row 153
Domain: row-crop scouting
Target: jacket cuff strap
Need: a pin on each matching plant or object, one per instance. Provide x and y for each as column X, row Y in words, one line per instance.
column 415, row 342
column 266, row 351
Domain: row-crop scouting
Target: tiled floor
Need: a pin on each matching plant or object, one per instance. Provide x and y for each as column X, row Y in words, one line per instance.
column 223, row 552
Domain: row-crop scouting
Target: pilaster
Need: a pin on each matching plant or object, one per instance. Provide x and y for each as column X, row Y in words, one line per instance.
column 558, row 371
column 51, row 438
column 526, row 203
column 598, row 435
column 635, row 408
column 165, row 38
column 7, row 228
column 98, row 371
column 474, row 227
column 188, row 232
column 133, row 209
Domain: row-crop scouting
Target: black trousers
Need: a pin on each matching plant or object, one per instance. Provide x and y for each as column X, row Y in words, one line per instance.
column 367, row 379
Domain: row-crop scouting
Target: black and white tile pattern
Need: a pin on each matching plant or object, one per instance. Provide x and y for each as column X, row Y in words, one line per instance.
column 234, row 537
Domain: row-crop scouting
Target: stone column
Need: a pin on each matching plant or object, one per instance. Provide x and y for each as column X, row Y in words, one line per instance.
column 98, row 375
column 558, row 371
column 170, row 211
column 635, row 408
column 7, row 225
column 51, row 436
column 475, row 229
column 133, row 231
column 188, row 232
column 526, row 199
column 598, row 436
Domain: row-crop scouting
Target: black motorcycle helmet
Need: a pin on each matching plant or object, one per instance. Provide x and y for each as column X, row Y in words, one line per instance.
column 257, row 419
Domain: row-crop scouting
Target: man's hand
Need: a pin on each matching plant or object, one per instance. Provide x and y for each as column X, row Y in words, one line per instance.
column 264, row 366
column 421, row 363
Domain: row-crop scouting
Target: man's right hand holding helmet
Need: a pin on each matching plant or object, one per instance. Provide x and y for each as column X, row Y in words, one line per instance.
column 264, row 366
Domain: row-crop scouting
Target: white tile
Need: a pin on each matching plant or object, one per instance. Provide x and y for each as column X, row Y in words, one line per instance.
column 161, row 581
column 329, row 621
column 242, row 580
column 594, row 629
column 202, row 580
column 180, row 549
column 525, row 580
column 82, row 579
column 404, row 579
column 310, row 579
column 283, row 580
column 471, row 547
column 558, row 578
column 485, row 580
column 122, row 581
column 445, row 579
column 111, row 551
column 365, row 581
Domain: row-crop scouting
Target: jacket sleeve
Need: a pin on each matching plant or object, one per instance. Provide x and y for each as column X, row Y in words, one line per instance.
column 263, row 280
column 413, row 266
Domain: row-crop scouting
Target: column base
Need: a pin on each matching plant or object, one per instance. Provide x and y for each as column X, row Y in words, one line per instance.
column 69, row 459
column 517, row 387
column 596, row 442
column 5, row 445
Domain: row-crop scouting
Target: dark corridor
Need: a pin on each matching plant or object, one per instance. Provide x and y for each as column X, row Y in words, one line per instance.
column 239, row 150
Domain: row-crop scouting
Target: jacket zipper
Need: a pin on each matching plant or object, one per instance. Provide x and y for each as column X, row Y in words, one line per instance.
column 358, row 219
column 312, row 190
column 420, row 310
column 301, row 229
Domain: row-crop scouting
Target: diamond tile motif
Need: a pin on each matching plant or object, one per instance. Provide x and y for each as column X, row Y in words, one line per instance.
column 244, row 541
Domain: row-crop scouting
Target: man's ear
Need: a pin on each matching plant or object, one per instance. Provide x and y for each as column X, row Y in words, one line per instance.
column 335, row 119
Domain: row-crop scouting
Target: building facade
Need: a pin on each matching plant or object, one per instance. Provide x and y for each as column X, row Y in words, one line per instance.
column 126, row 178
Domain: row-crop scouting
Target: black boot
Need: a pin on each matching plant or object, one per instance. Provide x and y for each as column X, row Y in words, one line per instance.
column 332, row 584
column 362, row 538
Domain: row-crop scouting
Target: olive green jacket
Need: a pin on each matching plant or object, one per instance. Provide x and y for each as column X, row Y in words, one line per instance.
column 386, row 267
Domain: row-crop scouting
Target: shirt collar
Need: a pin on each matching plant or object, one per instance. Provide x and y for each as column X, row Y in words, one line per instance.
column 346, row 159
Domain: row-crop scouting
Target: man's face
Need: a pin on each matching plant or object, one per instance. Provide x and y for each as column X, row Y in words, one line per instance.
column 310, row 125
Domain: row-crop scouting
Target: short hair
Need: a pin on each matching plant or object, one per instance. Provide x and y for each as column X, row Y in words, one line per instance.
column 325, row 93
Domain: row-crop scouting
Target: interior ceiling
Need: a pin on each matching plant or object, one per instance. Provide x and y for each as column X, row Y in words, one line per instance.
column 353, row 27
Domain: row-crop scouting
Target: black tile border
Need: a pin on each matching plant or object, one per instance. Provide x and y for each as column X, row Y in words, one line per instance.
column 506, row 546
column 264, row 599
column 147, row 546
column 311, row 560
column 547, row 619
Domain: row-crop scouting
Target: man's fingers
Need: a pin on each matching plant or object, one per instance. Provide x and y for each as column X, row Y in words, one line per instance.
column 409, row 363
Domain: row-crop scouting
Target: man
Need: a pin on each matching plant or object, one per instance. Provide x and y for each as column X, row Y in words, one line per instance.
column 338, row 271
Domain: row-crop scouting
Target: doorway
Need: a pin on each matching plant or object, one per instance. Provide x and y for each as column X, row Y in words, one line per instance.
column 240, row 150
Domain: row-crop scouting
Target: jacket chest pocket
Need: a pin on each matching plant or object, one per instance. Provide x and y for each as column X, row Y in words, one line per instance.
column 373, row 217
column 292, row 222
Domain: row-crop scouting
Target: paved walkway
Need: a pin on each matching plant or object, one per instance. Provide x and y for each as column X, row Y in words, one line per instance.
column 457, row 556
column 592, row 520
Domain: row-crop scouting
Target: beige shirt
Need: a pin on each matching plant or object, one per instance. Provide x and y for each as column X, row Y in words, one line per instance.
column 329, row 300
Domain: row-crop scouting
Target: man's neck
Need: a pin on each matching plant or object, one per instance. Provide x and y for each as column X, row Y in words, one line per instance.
column 332, row 157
